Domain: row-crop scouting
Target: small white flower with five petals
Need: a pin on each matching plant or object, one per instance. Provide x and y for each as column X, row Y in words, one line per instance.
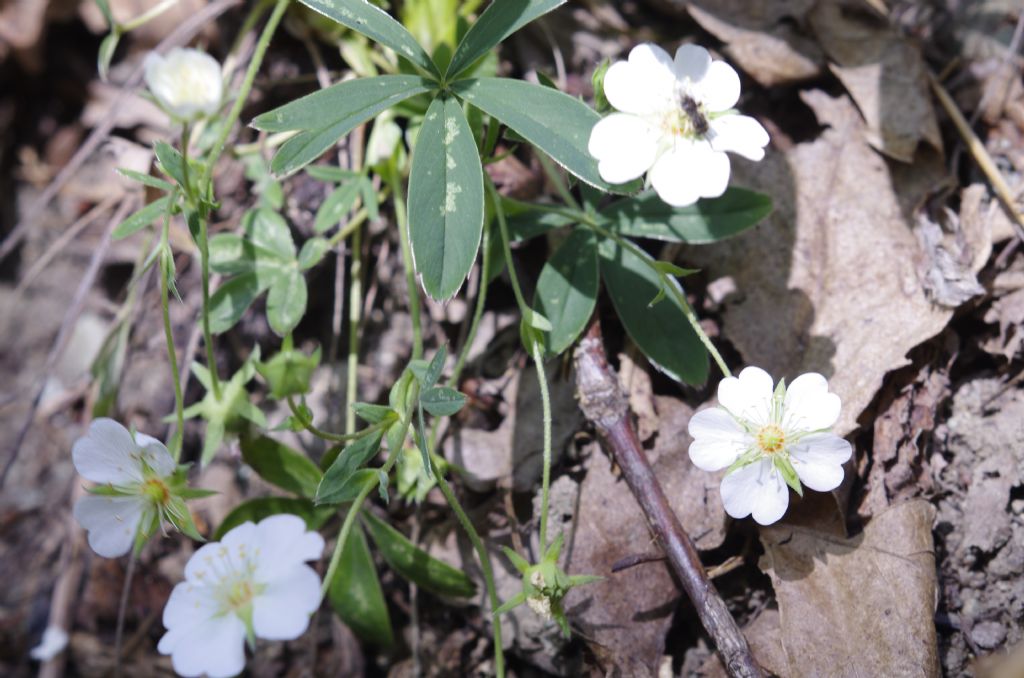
column 187, row 83
column 254, row 583
column 676, row 119
column 769, row 438
column 135, row 479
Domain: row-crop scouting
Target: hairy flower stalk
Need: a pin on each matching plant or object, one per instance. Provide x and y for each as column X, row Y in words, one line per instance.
column 770, row 439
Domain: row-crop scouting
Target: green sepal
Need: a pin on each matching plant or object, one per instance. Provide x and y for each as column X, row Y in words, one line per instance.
column 785, row 468
column 510, row 604
column 518, row 561
column 179, row 516
column 289, row 372
column 375, row 414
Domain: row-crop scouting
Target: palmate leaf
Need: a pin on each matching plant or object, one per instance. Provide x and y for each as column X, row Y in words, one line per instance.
column 567, row 290
column 446, row 199
column 661, row 331
column 553, row 121
column 501, row 19
column 373, row 22
column 325, row 116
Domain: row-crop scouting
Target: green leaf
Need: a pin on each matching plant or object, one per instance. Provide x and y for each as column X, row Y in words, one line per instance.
column 281, row 465
column 312, row 253
column 331, row 174
column 106, row 53
column 525, row 221
column 446, row 200
column 232, row 299
column 173, row 164
column 415, row 564
column 662, row 332
column 335, row 206
column 286, row 302
column 141, row 219
column 501, row 19
column 104, row 7
column 553, row 121
column 356, row 595
column 340, row 482
column 707, row 221
column 145, row 179
column 567, row 290
column 373, row 22
column 442, row 401
column 329, row 114
column 255, row 510
column 434, row 369
column 374, row 414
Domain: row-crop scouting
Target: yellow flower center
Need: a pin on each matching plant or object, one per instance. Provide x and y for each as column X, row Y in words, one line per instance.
column 156, row 491
column 771, row 439
column 239, row 595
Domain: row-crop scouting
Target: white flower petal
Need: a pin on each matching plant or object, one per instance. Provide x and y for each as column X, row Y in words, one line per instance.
column 284, row 542
column 214, row 647
column 689, row 171
column 282, row 610
column 107, row 454
column 818, row 460
column 748, row 396
column 624, row 145
column 53, row 642
column 644, row 84
column 809, row 406
column 739, row 134
column 190, row 604
column 110, row 521
column 719, row 90
column 155, row 454
column 691, row 63
column 203, row 568
column 717, row 439
column 757, row 489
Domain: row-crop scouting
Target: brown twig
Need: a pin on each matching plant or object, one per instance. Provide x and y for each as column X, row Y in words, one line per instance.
column 605, row 406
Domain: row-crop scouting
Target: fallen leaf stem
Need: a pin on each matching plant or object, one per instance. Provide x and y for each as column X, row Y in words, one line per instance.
column 606, row 407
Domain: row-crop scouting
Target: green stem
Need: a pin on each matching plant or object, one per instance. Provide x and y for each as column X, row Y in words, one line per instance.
column 339, row 547
column 355, row 307
column 485, row 563
column 506, row 248
column 172, row 354
column 204, row 260
column 410, row 272
column 147, row 16
column 326, row 435
column 557, row 180
column 545, row 400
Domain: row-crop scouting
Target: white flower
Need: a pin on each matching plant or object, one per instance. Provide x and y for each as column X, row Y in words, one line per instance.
column 253, row 583
column 676, row 120
column 136, row 475
column 53, row 642
column 187, row 83
column 772, row 437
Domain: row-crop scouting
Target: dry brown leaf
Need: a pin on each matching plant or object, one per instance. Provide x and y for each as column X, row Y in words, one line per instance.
column 884, row 74
column 828, row 282
column 760, row 39
column 857, row 607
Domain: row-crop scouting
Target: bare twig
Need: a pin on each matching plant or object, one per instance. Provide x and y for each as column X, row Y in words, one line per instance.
column 64, row 333
column 605, row 406
column 182, row 34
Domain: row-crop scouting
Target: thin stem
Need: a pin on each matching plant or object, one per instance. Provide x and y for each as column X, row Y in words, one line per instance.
column 557, row 180
column 243, row 92
column 355, row 307
column 545, row 400
column 410, row 272
column 204, row 260
column 147, row 16
column 172, row 354
column 339, row 547
column 307, row 424
column 506, row 248
column 478, row 311
column 122, row 611
column 485, row 562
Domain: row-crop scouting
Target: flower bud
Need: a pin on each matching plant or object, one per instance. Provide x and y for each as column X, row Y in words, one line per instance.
column 186, row 82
